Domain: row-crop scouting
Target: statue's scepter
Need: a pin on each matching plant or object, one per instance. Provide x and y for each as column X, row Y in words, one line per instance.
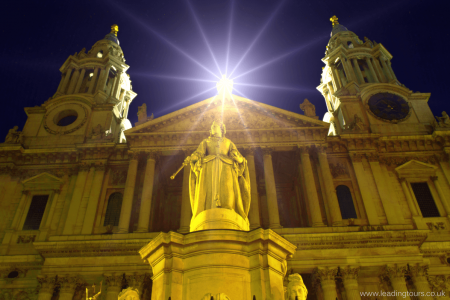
column 186, row 161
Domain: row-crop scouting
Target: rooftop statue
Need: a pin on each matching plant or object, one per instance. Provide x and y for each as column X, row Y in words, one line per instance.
column 219, row 179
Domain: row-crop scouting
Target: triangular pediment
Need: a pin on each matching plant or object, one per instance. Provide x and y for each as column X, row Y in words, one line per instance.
column 238, row 114
column 43, row 181
column 414, row 168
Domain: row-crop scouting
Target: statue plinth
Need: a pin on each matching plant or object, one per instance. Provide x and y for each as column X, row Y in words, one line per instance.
column 219, row 218
column 234, row 263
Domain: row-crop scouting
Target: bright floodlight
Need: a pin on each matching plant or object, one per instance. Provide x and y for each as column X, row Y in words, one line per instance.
column 225, row 85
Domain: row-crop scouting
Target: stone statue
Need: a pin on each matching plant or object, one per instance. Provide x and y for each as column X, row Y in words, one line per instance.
column 296, row 289
column 443, row 121
column 357, row 124
column 14, row 136
column 142, row 113
column 309, row 109
column 219, row 182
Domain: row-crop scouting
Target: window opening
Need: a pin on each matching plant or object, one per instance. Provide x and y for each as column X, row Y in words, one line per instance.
column 346, row 202
column 113, row 209
column 35, row 212
column 425, row 199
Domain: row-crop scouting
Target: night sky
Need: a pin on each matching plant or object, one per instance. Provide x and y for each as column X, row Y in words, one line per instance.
column 38, row 36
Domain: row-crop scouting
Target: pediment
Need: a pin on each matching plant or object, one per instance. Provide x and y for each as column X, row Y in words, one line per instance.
column 414, row 168
column 43, row 181
column 238, row 114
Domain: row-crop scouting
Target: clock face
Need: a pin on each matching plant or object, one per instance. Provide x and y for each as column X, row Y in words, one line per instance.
column 389, row 106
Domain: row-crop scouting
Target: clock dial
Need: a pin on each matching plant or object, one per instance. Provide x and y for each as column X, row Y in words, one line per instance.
column 389, row 106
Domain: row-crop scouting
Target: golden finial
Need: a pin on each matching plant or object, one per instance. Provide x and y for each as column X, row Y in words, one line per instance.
column 114, row 29
column 334, row 20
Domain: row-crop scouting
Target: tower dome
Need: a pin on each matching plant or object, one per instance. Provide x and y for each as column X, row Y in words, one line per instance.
column 336, row 26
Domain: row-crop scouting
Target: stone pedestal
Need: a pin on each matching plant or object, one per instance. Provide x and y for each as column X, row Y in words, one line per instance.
column 238, row 264
column 219, row 218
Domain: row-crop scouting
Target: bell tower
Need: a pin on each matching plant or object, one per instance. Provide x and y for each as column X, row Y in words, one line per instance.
column 91, row 102
column 362, row 92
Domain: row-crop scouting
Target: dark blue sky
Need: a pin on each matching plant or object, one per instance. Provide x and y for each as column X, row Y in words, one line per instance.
column 38, row 36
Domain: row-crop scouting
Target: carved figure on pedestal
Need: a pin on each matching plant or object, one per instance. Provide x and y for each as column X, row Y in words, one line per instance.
column 443, row 121
column 296, row 289
column 14, row 136
column 309, row 109
column 142, row 113
column 219, row 179
column 357, row 124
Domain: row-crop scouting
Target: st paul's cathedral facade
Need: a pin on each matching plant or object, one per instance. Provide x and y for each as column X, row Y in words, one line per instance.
column 358, row 202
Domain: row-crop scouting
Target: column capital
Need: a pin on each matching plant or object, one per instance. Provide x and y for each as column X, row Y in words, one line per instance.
column 418, row 270
column 304, row 149
column 434, row 178
column 325, row 273
column 349, row 272
column 267, row 150
column 133, row 155
column 373, row 157
column 69, row 283
column 46, row 283
column 248, row 151
column 113, row 279
column 356, row 157
column 395, row 270
column 99, row 165
column 440, row 283
column 84, row 166
column 135, row 280
column 153, row 155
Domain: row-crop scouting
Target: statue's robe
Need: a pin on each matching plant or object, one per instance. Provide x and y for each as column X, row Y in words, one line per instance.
column 217, row 180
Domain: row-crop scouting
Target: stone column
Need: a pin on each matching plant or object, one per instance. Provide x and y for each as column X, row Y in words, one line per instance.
column 19, row 211
column 358, row 71
column 441, row 285
column 84, row 200
column 100, row 80
column 73, row 81
column 350, row 279
column 364, row 188
column 186, row 210
column 390, row 69
column 310, row 186
column 409, row 199
column 125, row 213
column 442, row 195
column 80, row 81
column 330, row 191
column 380, row 71
column 94, row 196
column 336, row 77
column 46, row 287
column 326, row 276
column 113, row 86
column 66, row 80
column 390, row 208
column 271, row 190
column 419, row 275
column 104, row 79
column 116, row 86
column 385, row 68
column 93, row 80
column 253, row 215
column 68, row 285
column 396, row 274
column 349, row 70
column 76, row 200
column 372, row 70
column 147, row 192
column 113, row 285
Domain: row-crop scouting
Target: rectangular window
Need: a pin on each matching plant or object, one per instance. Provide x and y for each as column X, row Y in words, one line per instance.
column 36, row 212
column 425, row 199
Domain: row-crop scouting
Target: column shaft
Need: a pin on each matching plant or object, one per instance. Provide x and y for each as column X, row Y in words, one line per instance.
column 271, row 190
column 349, row 70
column 441, row 194
column 310, row 185
column 186, row 210
column 391, row 211
column 386, row 69
column 19, row 211
column 336, row 78
column 84, row 200
column 400, row 288
column 94, row 195
column 116, row 85
column 66, row 80
column 358, row 71
column 351, row 287
column 372, row 70
column 329, row 289
column 330, row 191
column 125, row 213
column 147, row 193
column 73, row 81
column 80, row 81
column 380, row 71
column 55, row 197
column 75, row 201
column 253, row 215
column 409, row 199
column 105, row 75
column 93, row 80
column 364, row 188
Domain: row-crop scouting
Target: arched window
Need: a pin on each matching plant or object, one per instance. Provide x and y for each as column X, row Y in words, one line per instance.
column 113, row 209
column 346, row 202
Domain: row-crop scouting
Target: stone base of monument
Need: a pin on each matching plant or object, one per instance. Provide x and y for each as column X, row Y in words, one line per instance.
column 235, row 264
column 219, row 218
